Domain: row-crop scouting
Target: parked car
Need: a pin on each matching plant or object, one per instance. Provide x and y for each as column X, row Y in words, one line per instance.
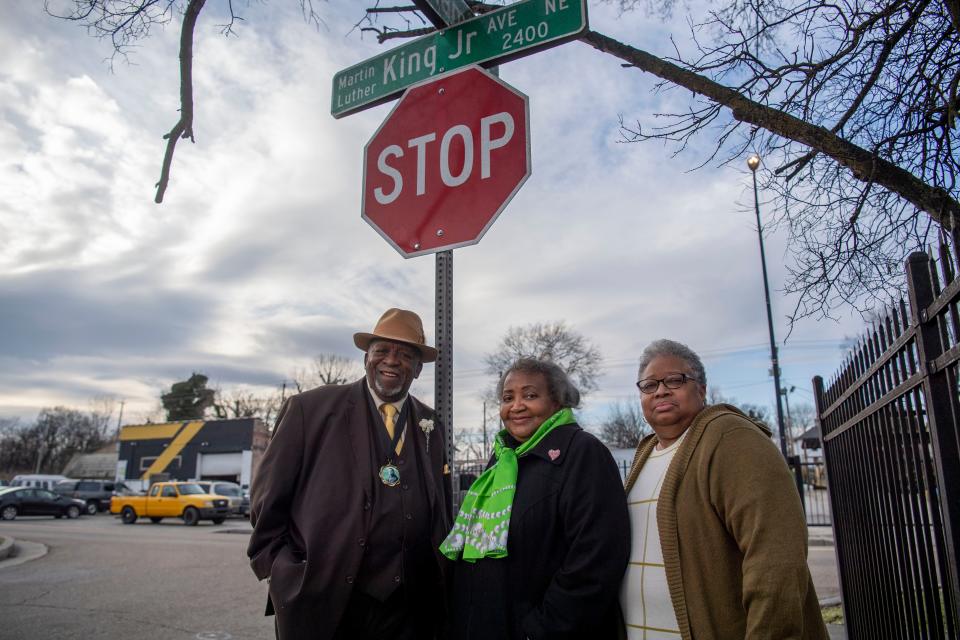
column 239, row 503
column 4, row 483
column 41, row 480
column 95, row 494
column 27, row 501
column 171, row 500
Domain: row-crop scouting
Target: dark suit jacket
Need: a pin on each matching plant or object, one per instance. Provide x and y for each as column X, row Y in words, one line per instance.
column 311, row 504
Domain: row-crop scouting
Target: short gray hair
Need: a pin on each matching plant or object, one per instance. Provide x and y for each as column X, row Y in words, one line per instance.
column 665, row 347
column 559, row 386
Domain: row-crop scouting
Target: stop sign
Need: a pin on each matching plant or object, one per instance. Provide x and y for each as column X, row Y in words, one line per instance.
column 446, row 161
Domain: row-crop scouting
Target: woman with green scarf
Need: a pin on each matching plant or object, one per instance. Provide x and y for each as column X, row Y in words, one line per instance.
column 542, row 540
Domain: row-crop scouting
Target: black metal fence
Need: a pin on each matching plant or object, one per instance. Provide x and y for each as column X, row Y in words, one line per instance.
column 816, row 501
column 889, row 421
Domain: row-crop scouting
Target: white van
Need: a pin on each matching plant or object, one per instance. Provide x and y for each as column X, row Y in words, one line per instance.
column 38, row 480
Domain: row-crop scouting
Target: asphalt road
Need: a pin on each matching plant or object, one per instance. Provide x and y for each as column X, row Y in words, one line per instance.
column 103, row 579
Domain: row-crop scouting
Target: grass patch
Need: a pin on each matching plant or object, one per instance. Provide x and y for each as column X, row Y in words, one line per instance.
column 832, row 615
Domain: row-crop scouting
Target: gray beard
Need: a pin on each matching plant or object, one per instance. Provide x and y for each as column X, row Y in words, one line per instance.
column 384, row 392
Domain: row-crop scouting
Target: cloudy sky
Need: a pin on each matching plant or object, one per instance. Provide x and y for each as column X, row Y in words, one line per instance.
column 258, row 259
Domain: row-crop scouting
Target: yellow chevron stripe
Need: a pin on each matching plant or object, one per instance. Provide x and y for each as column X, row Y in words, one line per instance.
column 173, row 449
column 163, row 431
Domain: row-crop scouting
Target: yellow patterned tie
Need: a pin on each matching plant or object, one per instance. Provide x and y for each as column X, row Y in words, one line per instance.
column 390, row 421
column 389, row 418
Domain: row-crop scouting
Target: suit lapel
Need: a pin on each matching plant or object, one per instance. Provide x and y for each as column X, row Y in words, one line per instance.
column 357, row 414
column 418, row 439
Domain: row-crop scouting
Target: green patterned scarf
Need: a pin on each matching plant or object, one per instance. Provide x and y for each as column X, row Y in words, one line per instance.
column 481, row 527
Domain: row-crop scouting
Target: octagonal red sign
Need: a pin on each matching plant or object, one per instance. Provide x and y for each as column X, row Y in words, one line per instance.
column 446, row 162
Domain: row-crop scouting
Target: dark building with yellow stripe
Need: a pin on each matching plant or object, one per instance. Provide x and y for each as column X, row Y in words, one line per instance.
column 192, row 450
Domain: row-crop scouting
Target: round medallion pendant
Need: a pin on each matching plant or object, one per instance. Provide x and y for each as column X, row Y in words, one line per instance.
column 389, row 475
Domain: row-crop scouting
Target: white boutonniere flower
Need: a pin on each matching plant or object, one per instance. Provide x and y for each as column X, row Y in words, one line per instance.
column 426, row 426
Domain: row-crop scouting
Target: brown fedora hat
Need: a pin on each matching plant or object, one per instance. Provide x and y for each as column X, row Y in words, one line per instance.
column 398, row 325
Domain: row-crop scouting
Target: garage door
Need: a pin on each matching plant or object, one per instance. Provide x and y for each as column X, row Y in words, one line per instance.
column 220, row 464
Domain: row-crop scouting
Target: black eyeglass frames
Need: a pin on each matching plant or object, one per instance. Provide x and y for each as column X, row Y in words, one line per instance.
column 672, row 381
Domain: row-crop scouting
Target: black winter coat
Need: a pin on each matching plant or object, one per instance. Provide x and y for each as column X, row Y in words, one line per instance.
column 567, row 550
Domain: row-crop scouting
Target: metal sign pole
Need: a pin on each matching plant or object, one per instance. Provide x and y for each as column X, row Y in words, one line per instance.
column 442, row 13
column 443, row 369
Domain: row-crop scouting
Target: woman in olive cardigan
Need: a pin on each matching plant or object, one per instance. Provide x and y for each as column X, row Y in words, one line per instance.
column 727, row 517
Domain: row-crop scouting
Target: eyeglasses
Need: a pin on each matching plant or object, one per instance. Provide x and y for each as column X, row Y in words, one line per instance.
column 672, row 381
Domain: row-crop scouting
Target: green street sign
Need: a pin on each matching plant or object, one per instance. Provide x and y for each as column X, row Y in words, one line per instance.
column 511, row 32
column 448, row 11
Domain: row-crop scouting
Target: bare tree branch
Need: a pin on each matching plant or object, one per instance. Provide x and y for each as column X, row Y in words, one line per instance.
column 553, row 341
column 327, row 368
column 624, row 426
column 864, row 165
column 953, row 8
column 402, row 9
column 184, row 127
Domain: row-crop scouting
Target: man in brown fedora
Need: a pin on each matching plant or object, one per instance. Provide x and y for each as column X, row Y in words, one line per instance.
column 352, row 500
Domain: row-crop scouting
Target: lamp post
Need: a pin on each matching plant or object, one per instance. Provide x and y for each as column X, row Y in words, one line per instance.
column 754, row 162
column 785, row 392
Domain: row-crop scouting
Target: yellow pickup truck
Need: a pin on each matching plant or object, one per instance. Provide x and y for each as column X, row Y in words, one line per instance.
column 172, row 500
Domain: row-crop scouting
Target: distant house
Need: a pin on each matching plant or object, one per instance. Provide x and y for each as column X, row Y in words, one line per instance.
column 810, row 444
column 99, row 465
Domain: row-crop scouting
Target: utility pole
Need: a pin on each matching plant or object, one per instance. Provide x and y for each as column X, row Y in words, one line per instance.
column 486, row 454
column 119, row 420
column 754, row 162
column 786, row 401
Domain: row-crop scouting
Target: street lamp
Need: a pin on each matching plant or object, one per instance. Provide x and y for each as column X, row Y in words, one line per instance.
column 753, row 162
column 785, row 392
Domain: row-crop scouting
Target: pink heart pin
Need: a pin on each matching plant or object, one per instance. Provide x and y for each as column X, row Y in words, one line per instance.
column 554, row 454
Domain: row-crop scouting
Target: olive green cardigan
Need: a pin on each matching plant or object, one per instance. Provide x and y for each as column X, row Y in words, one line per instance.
column 733, row 533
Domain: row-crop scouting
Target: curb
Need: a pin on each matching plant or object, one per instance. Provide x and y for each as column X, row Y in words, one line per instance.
column 6, row 547
column 830, row 602
column 23, row 552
